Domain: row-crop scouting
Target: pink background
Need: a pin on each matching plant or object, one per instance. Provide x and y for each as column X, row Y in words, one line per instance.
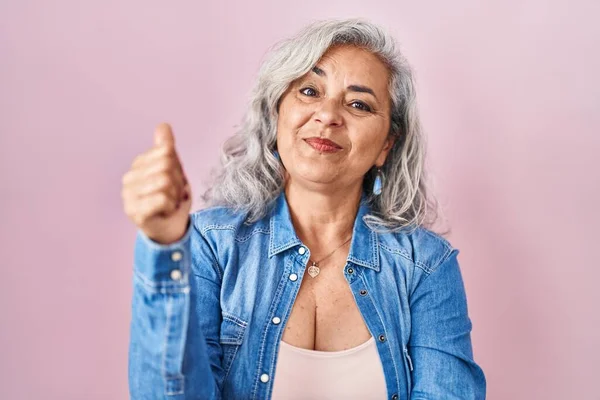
column 509, row 96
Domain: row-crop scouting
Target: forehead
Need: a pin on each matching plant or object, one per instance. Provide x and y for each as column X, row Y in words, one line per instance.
column 355, row 66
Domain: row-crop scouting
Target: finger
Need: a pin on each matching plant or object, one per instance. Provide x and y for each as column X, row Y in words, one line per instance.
column 157, row 204
column 167, row 165
column 160, row 156
column 160, row 164
column 164, row 181
column 135, row 203
column 176, row 185
column 152, row 155
column 163, row 136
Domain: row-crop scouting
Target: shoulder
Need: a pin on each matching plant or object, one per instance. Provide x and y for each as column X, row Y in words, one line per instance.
column 423, row 247
column 227, row 220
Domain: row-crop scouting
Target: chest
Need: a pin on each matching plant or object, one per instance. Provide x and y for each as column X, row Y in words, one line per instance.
column 319, row 313
column 325, row 315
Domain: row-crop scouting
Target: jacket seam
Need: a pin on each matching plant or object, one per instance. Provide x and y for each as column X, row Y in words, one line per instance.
column 230, row 317
column 404, row 254
column 401, row 252
column 229, row 227
column 445, row 257
column 254, row 232
column 215, row 264
column 211, row 227
column 426, row 268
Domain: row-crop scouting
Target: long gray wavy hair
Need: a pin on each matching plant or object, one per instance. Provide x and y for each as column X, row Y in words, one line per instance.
column 251, row 176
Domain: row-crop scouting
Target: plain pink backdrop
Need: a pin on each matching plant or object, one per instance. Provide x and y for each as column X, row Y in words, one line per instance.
column 509, row 94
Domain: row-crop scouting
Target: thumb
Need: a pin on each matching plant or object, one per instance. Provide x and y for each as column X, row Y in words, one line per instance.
column 163, row 135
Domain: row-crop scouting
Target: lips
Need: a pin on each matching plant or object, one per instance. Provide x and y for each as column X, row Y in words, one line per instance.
column 323, row 145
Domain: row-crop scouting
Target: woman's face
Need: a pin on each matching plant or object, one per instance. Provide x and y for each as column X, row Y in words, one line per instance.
column 334, row 122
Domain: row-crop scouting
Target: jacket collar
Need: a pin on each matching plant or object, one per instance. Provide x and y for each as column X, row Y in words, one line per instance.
column 363, row 247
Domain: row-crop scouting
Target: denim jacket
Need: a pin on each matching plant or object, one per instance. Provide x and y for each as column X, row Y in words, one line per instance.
column 208, row 312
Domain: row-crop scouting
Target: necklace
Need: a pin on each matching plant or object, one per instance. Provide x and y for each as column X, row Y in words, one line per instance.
column 314, row 269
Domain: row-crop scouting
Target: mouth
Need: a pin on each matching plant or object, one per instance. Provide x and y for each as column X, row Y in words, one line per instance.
column 323, row 145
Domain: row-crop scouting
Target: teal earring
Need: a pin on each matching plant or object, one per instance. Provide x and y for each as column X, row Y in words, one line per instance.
column 378, row 183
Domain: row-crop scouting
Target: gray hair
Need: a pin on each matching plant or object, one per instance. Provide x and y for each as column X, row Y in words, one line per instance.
column 251, row 175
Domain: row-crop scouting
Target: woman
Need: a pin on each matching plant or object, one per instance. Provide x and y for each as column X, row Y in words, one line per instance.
column 312, row 273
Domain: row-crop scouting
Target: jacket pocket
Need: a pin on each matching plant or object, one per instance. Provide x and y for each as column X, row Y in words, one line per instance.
column 231, row 338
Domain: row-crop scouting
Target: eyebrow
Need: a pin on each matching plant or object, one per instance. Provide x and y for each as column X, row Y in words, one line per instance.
column 352, row 88
column 318, row 71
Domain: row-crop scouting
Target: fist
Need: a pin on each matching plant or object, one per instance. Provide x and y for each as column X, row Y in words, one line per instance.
column 156, row 194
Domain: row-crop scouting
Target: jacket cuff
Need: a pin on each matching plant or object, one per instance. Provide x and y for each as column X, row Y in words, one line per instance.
column 163, row 263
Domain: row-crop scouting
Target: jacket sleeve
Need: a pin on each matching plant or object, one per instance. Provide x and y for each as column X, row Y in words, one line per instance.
column 174, row 332
column 440, row 342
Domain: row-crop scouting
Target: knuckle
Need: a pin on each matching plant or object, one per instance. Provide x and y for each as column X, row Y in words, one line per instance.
column 164, row 180
column 163, row 164
column 132, row 215
column 172, row 162
column 128, row 198
column 162, row 199
column 126, row 178
column 165, row 152
column 130, row 209
column 137, row 160
column 169, row 150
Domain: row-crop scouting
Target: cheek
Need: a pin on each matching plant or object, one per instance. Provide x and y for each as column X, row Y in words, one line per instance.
column 293, row 114
column 369, row 143
column 286, row 123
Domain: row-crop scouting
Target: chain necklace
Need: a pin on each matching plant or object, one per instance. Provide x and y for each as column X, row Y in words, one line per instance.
column 314, row 269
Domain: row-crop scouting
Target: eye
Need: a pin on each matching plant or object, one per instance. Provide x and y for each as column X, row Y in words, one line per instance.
column 308, row 91
column 361, row 106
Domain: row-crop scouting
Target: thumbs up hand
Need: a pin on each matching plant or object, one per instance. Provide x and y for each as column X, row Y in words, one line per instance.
column 156, row 194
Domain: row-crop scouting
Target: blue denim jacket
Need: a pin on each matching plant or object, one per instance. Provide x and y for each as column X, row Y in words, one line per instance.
column 208, row 312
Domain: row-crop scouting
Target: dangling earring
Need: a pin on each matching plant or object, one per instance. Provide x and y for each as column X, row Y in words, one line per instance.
column 276, row 154
column 378, row 183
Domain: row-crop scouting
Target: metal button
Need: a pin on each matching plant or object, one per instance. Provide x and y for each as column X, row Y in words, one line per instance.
column 293, row 277
column 276, row 320
column 395, row 397
column 301, row 250
column 350, row 270
column 264, row 378
column 382, row 338
column 176, row 256
column 176, row 274
column 363, row 292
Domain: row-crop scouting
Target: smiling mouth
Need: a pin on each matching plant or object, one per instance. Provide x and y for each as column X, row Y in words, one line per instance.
column 323, row 145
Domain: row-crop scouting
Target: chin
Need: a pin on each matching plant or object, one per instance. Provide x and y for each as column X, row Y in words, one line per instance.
column 314, row 171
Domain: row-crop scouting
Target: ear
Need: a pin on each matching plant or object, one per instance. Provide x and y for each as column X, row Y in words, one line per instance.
column 387, row 146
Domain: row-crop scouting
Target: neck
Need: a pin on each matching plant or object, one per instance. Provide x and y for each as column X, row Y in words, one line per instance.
column 322, row 220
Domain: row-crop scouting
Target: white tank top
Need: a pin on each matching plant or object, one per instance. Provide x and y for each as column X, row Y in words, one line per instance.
column 302, row 374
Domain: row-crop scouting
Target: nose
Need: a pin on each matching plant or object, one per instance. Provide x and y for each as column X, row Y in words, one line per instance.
column 329, row 113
